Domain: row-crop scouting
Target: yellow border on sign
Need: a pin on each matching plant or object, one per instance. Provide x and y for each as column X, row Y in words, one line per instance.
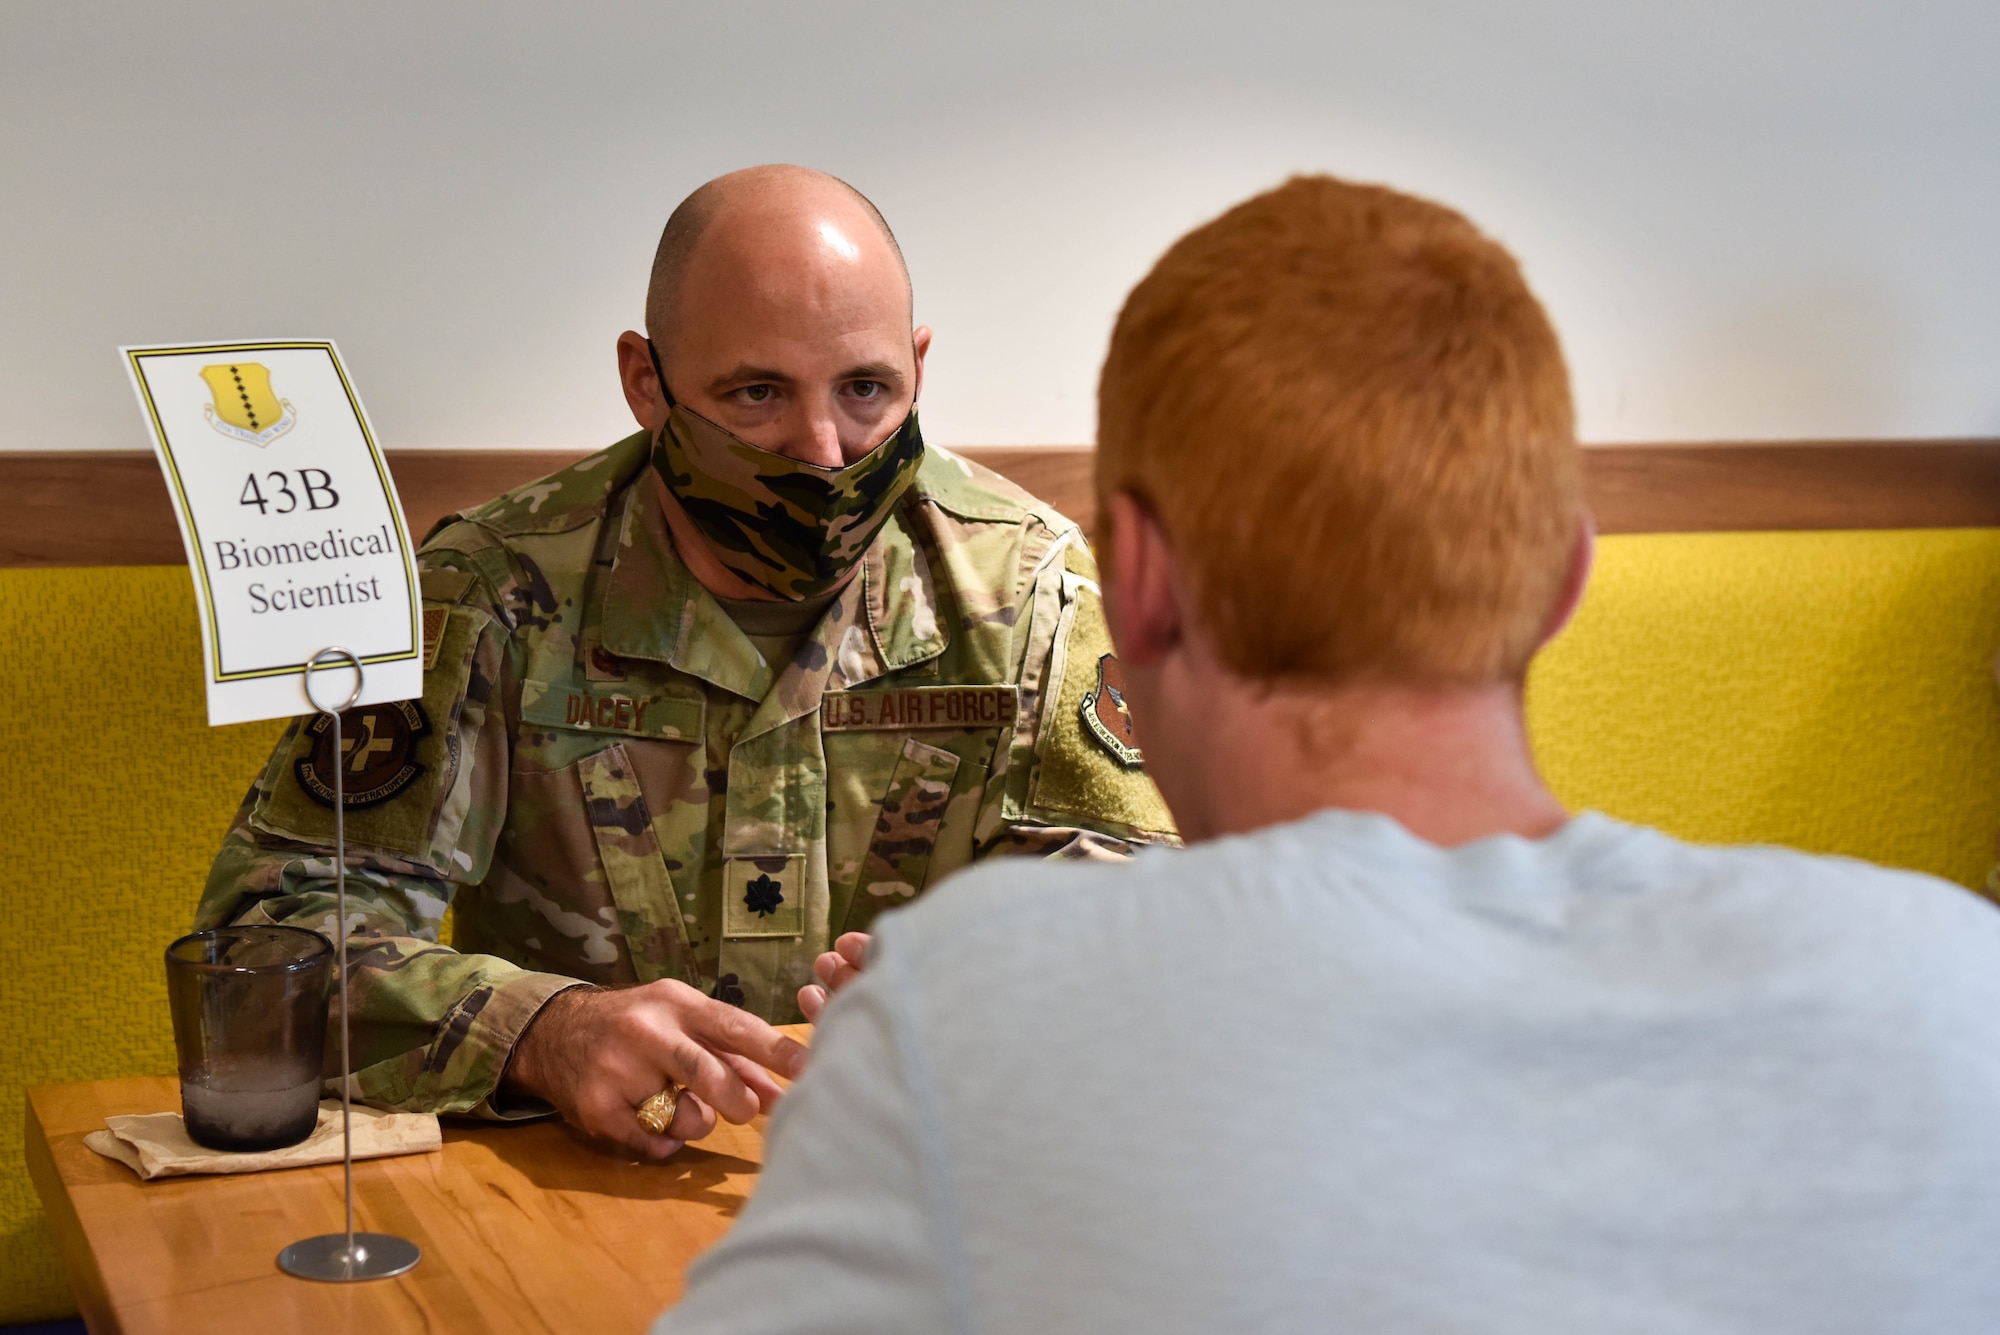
column 194, row 532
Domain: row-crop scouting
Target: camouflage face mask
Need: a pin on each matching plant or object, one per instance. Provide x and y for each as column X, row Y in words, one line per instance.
column 791, row 528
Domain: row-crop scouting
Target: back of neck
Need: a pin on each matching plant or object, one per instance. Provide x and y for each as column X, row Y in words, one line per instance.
column 1449, row 765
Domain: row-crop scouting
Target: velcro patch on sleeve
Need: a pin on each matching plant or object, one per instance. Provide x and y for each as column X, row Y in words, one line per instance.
column 914, row 707
column 395, row 760
column 434, row 619
column 1088, row 766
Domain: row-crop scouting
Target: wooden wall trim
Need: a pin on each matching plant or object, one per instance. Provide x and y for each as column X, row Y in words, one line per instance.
column 92, row 508
column 1805, row 485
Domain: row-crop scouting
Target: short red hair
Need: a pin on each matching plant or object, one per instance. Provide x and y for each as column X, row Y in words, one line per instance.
column 1352, row 419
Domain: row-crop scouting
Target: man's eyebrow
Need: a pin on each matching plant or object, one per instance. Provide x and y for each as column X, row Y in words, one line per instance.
column 745, row 374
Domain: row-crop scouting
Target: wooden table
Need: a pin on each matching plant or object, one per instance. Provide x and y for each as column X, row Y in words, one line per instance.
column 523, row 1228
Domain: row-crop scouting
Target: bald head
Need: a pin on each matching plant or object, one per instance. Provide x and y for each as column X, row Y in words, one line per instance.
column 779, row 207
column 780, row 311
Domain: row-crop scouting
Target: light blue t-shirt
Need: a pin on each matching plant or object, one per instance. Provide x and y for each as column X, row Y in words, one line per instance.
column 1328, row 1077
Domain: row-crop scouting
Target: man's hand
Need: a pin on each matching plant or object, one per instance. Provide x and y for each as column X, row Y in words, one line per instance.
column 835, row 970
column 597, row 1055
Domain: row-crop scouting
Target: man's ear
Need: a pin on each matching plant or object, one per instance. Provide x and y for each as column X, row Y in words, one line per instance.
column 1142, row 595
column 920, row 344
column 1582, row 555
column 639, row 381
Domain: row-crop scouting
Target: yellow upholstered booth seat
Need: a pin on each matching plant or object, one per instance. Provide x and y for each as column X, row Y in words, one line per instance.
column 114, row 793
column 1830, row 691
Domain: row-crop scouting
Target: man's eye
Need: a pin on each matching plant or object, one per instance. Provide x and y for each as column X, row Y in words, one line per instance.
column 867, row 389
column 756, row 393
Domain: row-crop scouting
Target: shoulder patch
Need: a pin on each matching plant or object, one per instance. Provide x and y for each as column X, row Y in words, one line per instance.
column 398, row 759
column 1106, row 716
column 1087, row 767
column 378, row 754
column 434, row 623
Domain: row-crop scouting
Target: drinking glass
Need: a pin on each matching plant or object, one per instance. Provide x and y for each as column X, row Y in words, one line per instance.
column 250, row 1008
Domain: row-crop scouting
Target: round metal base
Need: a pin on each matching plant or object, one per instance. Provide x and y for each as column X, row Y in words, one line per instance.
column 376, row 1256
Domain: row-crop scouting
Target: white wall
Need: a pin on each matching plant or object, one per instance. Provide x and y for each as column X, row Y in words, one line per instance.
column 1751, row 218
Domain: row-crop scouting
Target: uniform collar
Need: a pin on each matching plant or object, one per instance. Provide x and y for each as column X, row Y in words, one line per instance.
column 886, row 619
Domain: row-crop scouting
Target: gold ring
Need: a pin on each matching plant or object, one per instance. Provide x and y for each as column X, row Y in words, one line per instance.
column 657, row 1113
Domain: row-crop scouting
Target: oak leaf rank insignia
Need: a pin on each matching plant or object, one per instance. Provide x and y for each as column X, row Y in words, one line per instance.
column 763, row 895
column 1107, row 717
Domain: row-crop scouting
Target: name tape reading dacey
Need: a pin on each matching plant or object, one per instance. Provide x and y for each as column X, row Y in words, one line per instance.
column 294, row 534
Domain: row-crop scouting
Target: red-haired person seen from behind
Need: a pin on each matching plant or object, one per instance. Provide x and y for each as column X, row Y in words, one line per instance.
column 1397, row 1043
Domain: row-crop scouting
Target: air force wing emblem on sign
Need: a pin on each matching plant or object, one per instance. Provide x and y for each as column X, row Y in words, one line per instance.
column 244, row 407
column 378, row 746
column 1106, row 716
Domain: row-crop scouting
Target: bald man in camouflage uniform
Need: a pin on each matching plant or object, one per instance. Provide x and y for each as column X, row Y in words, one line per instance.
column 687, row 718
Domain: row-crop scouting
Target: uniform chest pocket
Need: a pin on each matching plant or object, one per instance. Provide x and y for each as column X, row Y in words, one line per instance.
column 635, row 872
column 906, row 832
column 637, row 752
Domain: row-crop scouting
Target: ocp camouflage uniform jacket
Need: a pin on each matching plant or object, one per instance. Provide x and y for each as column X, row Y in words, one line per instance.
column 606, row 782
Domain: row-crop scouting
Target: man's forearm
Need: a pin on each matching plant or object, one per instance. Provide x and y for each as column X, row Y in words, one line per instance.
column 431, row 1028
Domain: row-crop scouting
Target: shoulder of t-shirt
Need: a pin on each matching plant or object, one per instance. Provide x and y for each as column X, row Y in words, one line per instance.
column 1857, row 881
column 1002, row 891
column 1891, row 916
column 1001, row 888
column 1819, row 901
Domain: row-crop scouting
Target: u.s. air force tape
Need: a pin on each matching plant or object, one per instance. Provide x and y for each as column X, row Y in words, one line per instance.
column 920, row 707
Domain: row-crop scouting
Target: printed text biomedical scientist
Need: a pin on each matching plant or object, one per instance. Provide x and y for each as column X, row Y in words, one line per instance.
column 337, row 593
column 336, row 545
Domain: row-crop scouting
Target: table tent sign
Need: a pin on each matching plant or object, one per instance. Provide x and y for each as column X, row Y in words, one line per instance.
column 293, row 531
column 307, row 592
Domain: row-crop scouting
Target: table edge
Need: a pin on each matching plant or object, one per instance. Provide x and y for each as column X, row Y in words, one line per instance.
column 79, row 1262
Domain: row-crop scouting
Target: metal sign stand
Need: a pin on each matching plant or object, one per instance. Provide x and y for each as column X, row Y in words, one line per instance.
column 342, row 1257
